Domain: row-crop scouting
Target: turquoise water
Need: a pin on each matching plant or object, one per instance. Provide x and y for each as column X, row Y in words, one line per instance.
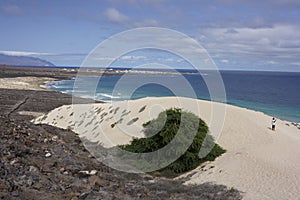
column 274, row 93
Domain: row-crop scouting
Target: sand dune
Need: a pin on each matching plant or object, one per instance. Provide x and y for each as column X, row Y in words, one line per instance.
column 25, row 83
column 262, row 163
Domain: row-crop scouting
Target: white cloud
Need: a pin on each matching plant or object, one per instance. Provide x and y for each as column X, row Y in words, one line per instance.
column 180, row 60
column 114, row 15
column 280, row 38
column 102, row 58
column 133, row 57
column 22, row 53
column 276, row 47
column 295, row 63
column 225, row 61
column 271, row 62
column 231, row 31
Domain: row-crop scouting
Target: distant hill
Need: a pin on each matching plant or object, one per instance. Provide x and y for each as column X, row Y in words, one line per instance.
column 23, row 61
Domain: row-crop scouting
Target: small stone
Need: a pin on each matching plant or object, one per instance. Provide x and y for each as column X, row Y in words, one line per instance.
column 13, row 162
column 15, row 193
column 54, row 138
column 66, row 173
column 83, row 195
column 84, row 172
column 62, row 188
column 62, row 169
column 48, row 155
column 45, row 140
column 56, row 187
column 93, row 172
column 23, row 177
column 33, row 169
column 29, row 182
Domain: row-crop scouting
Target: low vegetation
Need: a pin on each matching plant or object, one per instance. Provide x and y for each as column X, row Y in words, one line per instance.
column 185, row 132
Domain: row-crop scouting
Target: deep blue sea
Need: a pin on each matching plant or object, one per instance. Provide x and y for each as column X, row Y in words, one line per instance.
column 274, row 93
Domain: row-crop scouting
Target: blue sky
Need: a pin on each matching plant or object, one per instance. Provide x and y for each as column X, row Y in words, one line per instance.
column 238, row 34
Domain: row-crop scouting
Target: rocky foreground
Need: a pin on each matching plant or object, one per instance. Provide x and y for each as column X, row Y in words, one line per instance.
column 44, row 162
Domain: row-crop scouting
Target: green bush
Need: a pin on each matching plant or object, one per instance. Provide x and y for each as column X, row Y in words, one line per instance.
column 189, row 130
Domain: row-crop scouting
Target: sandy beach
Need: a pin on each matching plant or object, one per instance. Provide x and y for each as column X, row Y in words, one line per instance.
column 262, row 163
column 25, row 83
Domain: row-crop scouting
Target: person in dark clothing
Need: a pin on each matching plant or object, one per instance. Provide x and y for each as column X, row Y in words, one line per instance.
column 273, row 124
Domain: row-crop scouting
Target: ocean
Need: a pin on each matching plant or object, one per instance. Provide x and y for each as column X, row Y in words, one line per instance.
column 273, row 93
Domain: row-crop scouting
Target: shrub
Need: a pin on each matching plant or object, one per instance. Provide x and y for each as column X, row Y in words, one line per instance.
column 189, row 129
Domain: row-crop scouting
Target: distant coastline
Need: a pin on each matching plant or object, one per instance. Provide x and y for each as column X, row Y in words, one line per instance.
column 272, row 93
column 146, row 69
column 65, row 75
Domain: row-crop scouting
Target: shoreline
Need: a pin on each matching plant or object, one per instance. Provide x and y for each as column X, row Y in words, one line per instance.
column 39, row 83
column 35, row 81
column 26, row 83
column 295, row 122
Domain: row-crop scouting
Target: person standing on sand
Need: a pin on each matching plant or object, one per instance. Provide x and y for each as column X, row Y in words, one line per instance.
column 273, row 124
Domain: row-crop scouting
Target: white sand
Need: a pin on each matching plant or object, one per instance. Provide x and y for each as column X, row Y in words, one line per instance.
column 31, row 113
column 264, row 164
column 25, row 83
